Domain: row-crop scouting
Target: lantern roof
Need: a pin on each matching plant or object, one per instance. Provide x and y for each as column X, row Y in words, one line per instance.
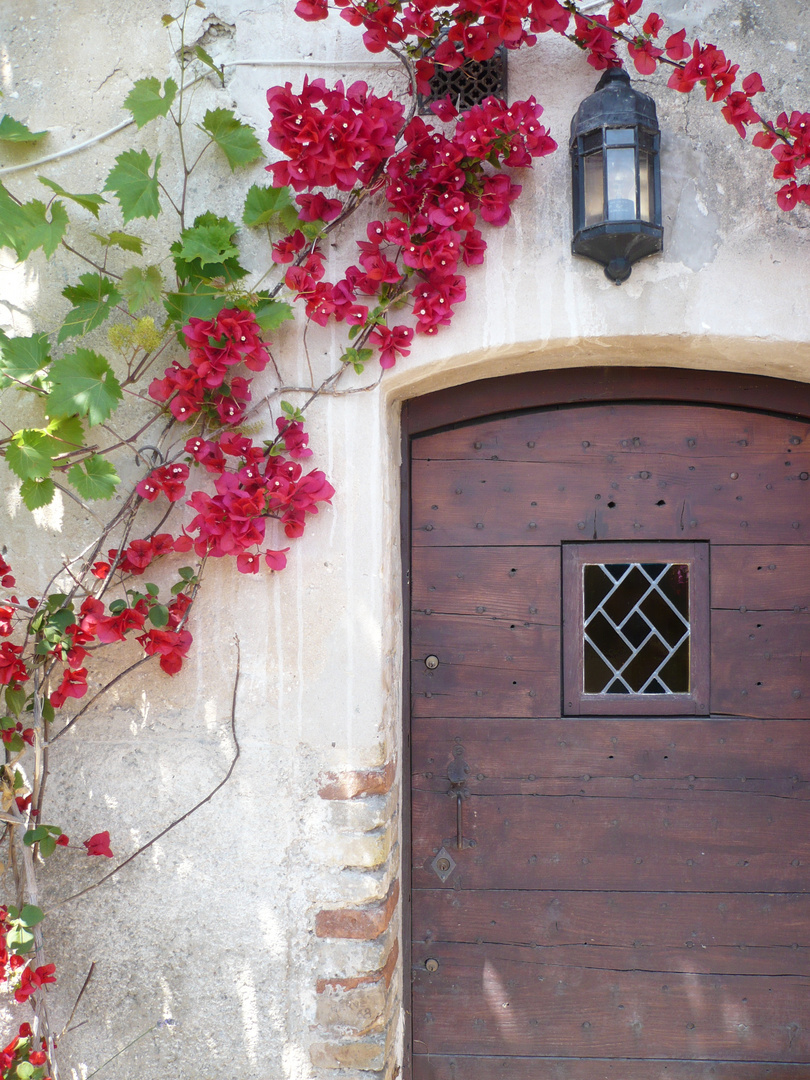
column 614, row 103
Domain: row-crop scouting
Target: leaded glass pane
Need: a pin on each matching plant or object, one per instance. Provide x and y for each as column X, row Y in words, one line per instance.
column 636, row 628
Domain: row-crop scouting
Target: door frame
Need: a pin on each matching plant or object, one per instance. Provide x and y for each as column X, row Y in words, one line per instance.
column 526, row 392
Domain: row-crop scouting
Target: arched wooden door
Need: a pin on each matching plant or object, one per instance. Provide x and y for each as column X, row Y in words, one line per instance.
column 610, row 740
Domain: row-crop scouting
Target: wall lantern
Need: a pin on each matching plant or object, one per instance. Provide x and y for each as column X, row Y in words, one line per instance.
column 616, row 176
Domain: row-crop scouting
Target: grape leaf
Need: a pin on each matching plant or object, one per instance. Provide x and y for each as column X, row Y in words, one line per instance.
column 208, row 243
column 135, row 189
column 24, row 360
column 94, row 298
column 144, row 100
column 270, row 314
column 30, row 453
column 83, row 385
column 236, row 140
column 262, row 204
column 126, row 241
column 36, row 493
column 201, row 54
column 89, row 202
column 195, row 301
column 25, row 227
column 141, row 286
column 94, row 478
column 228, row 268
column 12, row 130
column 69, row 430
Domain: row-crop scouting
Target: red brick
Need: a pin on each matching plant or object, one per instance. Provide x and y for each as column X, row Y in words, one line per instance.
column 385, row 973
column 356, row 785
column 360, row 923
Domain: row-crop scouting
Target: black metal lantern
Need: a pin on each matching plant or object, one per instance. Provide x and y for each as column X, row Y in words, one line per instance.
column 616, row 176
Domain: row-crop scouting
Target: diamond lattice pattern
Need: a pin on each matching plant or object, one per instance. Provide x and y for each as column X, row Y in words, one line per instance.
column 636, row 623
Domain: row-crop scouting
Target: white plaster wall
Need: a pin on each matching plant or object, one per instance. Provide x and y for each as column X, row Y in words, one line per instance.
column 214, row 927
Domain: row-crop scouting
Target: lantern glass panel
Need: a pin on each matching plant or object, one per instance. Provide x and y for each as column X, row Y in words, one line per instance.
column 620, row 136
column 594, row 193
column 645, row 180
column 621, row 184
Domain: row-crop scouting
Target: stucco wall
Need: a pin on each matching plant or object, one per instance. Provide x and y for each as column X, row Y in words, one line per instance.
column 265, row 926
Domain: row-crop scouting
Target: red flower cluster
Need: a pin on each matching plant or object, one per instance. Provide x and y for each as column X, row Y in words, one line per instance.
column 168, row 479
column 436, row 189
column 261, row 485
column 330, row 137
column 476, row 27
column 231, row 338
column 32, row 979
column 12, row 666
column 792, row 152
column 20, row 1050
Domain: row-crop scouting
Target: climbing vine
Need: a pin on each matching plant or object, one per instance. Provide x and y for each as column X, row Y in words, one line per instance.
column 180, row 339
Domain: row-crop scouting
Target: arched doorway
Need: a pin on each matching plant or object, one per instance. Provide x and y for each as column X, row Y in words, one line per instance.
column 610, row 750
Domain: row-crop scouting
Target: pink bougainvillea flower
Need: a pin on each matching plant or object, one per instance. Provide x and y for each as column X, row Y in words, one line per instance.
column 99, row 844
column 12, row 667
column 74, row 685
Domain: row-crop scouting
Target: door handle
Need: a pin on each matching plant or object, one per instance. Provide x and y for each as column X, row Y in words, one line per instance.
column 457, row 772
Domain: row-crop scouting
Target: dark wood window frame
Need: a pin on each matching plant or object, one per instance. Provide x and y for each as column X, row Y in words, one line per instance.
column 579, row 703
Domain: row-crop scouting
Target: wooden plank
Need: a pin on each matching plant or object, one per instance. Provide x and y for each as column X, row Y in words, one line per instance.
column 496, row 1000
column 491, row 667
column 657, row 497
column 709, row 842
column 628, row 430
column 616, row 756
column 774, row 578
column 550, row 389
column 465, row 1067
column 507, row 583
column 760, row 663
column 727, row 933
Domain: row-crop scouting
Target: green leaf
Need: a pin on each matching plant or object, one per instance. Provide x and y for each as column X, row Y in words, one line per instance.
column 36, row 493
column 210, row 230
column 12, row 130
column 31, row 915
column 83, row 385
column 15, row 699
column 25, row 1070
column 24, row 360
column 194, row 301
column 94, row 298
column 33, row 836
column 121, row 239
column 68, row 430
column 291, row 412
column 27, row 227
column 201, row 54
column 262, row 204
column 236, row 140
column 158, row 615
column 30, row 453
column 141, row 286
column 208, row 243
column 310, row 229
column 47, row 846
column 135, row 189
column 19, row 940
column 144, row 100
column 94, row 478
column 270, row 314
column 89, row 202
column 48, row 714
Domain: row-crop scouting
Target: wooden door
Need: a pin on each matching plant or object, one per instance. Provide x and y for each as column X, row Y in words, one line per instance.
column 623, row 894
